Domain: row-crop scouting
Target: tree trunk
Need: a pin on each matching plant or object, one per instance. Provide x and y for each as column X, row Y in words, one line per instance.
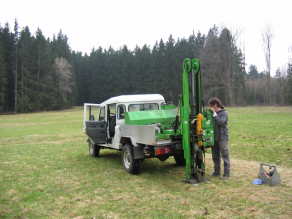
column 269, row 88
column 267, row 37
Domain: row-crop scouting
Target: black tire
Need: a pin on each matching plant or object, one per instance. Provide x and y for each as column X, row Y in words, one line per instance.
column 179, row 159
column 93, row 149
column 129, row 163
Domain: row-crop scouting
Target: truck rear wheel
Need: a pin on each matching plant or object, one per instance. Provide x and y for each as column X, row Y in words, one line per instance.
column 129, row 163
column 179, row 159
column 93, row 149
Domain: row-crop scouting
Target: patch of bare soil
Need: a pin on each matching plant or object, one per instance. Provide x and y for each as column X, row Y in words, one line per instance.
column 242, row 170
column 256, row 201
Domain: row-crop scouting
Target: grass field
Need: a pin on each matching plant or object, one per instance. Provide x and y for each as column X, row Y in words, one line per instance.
column 46, row 172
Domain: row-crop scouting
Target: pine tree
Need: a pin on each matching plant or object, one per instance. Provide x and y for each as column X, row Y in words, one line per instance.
column 210, row 66
column 147, row 78
column 8, row 48
column 43, row 76
column 3, row 75
column 171, row 72
column 162, row 81
column 99, row 75
column 15, row 71
column 26, row 83
column 127, row 74
column 289, row 86
column 137, row 76
column 78, row 63
column 60, row 47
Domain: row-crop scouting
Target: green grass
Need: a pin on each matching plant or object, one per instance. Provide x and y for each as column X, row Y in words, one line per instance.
column 262, row 134
column 46, row 172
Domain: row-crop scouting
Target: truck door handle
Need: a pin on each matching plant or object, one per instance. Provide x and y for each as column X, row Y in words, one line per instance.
column 93, row 126
column 101, row 126
column 102, row 131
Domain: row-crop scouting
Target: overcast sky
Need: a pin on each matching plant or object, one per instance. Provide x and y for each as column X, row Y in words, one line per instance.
column 97, row 23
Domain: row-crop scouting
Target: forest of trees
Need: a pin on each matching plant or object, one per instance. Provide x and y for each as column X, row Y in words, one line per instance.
column 39, row 73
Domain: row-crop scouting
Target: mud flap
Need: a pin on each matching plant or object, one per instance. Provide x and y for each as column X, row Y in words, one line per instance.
column 138, row 152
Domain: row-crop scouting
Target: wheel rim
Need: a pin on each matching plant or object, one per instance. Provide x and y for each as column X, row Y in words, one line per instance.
column 127, row 159
column 91, row 149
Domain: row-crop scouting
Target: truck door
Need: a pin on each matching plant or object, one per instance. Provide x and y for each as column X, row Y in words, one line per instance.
column 95, row 122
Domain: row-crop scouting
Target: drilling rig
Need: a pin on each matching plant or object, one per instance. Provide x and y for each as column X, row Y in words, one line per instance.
column 197, row 124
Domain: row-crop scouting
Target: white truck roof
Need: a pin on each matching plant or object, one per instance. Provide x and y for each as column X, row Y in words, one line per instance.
column 135, row 98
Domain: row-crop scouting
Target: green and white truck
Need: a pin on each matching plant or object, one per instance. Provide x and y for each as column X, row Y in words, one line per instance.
column 141, row 126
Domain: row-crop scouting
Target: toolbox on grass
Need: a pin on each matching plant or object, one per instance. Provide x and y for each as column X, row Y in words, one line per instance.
column 271, row 177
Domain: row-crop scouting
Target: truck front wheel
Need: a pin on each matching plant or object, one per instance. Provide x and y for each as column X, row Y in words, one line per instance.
column 93, row 149
column 130, row 164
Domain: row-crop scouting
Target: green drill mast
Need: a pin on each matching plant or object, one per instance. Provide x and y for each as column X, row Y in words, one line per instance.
column 196, row 125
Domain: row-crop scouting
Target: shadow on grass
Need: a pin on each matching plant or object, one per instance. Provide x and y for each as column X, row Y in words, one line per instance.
column 152, row 166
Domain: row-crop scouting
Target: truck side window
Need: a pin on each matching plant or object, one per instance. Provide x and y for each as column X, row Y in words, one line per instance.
column 143, row 107
column 121, row 111
column 92, row 112
column 101, row 114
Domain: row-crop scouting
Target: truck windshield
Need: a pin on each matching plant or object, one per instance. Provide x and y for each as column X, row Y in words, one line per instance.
column 143, row 107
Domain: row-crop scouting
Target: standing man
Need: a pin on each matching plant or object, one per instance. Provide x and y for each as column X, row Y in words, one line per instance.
column 220, row 148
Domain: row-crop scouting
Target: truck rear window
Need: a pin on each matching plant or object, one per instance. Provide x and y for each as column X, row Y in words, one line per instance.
column 143, row 107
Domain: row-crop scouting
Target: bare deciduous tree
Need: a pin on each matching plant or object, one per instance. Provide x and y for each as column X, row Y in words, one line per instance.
column 63, row 77
column 267, row 39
